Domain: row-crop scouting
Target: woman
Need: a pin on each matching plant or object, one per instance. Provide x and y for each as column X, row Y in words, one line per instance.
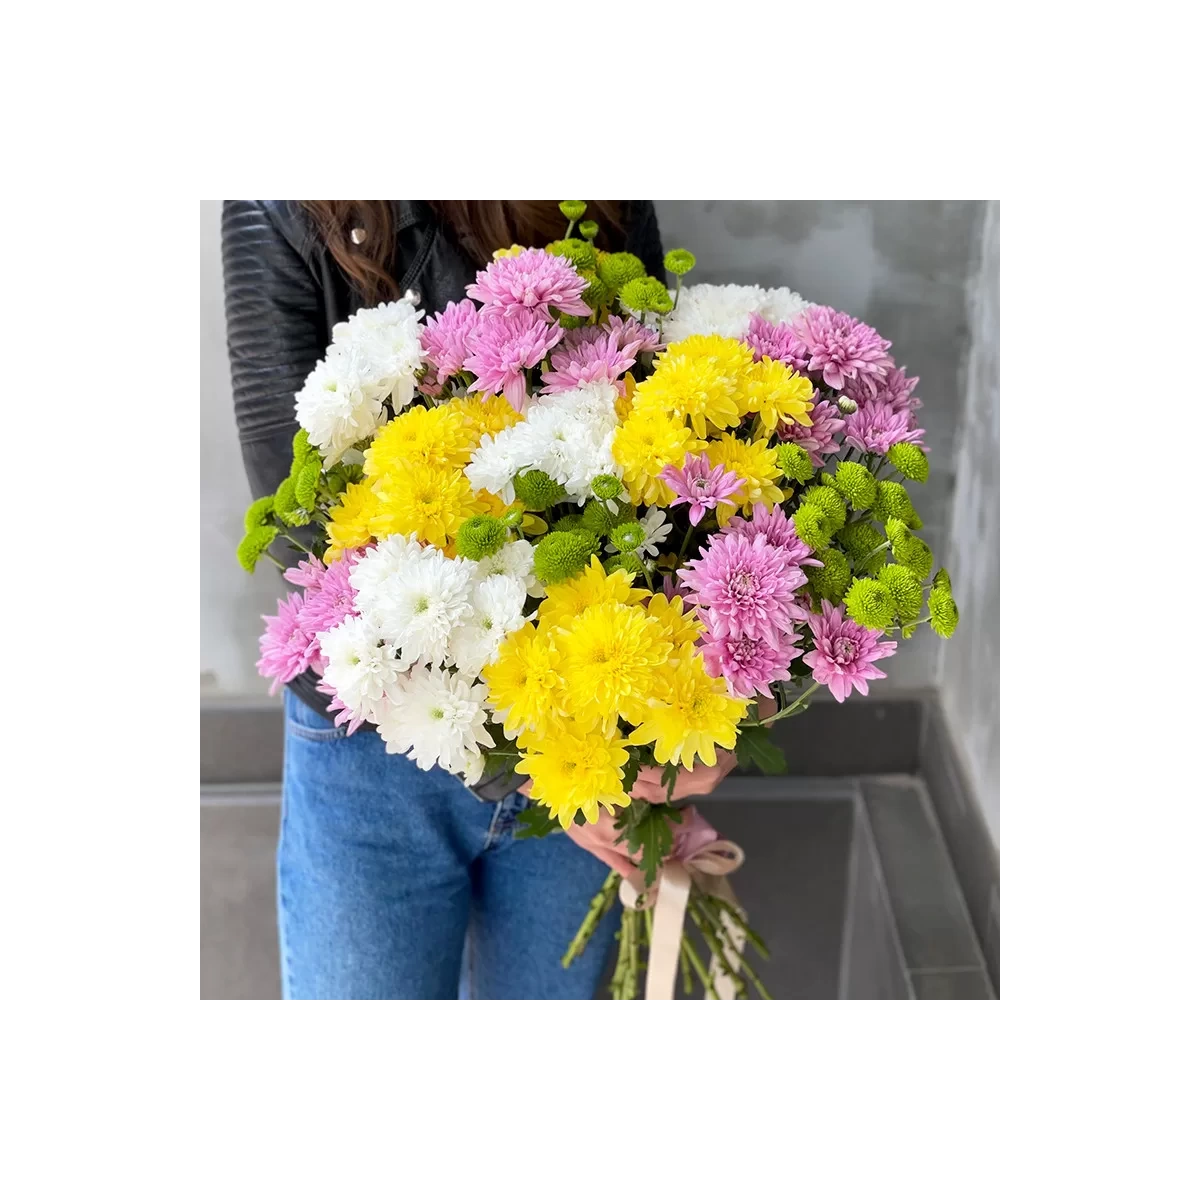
column 386, row 873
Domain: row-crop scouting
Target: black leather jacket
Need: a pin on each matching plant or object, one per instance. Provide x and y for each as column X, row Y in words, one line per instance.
column 284, row 294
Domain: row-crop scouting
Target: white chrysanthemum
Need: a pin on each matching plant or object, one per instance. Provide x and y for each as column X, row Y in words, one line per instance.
column 363, row 668
column 339, row 403
column 656, row 528
column 782, row 304
column 726, row 309
column 494, row 464
column 497, row 604
column 438, row 719
column 514, row 560
column 414, row 599
column 388, row 339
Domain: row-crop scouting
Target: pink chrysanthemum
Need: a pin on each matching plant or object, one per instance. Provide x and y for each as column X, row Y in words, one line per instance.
column 819, row 438
column 329, row 597
column 894, row 388
column 598, row 352
column 749, row 664
column 844, row 652
column 773, row 523
column 446, row 335
column 700, row 485
column 841, row 348
column 287, row 650
column 337, row 707
column 778, row 342
column 531, row 281
column 502, row 348
column 876, row 428
column 744, row 585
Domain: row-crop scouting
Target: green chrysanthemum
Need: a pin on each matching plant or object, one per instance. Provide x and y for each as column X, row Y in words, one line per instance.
column 870, row 604
column 829, row 502
column 597, row 518
column 942, row 580
column 606, row 487
column 537, row 491
column 893, row 501
column 794, row 462
column 915, row 554
column 572, row 209
column 943, row 612
column 254, row 545
column 812, row 525
column 628, row 536
column 646, row 295
column 287, row 508
column 616, row 270
column 595, row 294
column 480, row 536
column 831, row 580
column 910, row 461
column 905, row 590
column 827, row 480
column 624, row 562
column 561, row 555
column 581, row 254
column 571, row 523
column 588, row 229
column 854, row 482
column 569, row 320
column 862, row 540
column 679, row 262
column 259, row 513
column 306, row 485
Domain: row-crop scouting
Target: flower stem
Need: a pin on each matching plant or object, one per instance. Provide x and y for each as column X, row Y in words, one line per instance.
column 697, row 966
column 268, row 554
column 602, row 901
column 795, row 706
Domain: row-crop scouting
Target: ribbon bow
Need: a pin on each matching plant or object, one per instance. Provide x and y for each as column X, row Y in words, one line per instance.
column 699, row 857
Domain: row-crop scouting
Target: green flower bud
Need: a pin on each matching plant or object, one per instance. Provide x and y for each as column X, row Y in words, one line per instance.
column 259, row 513
column 812, row 525
column 287, row 508
column 861, row 540
column 910, row 461
column 302, row 451
column 306, row 486
column 513, row 515
column 679, row 262
column 537, row 491
column 856, row 484
column 846, row 406
column 831, row 580
column 794, row 462
column 943, row 612
column 254, row 545
column 905, row 590
column 480, row 536
column 624, row 562
column 914, row 554
column 560, row 556
column 628, row 536
column 606, row 487
column 892, row 500
column 870, row 604
column 588, row 229
column 616, row 270
column 572, row 209
column 581, row 254
column 597, row 518
column 646, row 294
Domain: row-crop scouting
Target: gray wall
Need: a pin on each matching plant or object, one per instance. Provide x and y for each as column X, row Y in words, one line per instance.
column 970, row 667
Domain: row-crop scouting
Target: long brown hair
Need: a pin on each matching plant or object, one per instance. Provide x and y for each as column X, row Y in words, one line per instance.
column 360, row 234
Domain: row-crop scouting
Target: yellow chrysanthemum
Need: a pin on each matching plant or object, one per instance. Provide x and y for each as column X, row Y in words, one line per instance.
column 699, row 378
column 427, row 501
column 696, row 715
column 682, row 629
column 350, row 520
column 484, row 414
column 648, row 440
column 756, row 463
column 575, row 770
column 439, row 437
column 524, row 685
column 623, row 404
column 612, row 660
column 775, row 392
column 566, row 601
column 513, row 250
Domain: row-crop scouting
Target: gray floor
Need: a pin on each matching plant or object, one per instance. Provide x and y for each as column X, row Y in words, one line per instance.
column 848, row 882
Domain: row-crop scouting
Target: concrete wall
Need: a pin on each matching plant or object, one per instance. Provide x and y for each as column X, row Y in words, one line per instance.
column 970, row 667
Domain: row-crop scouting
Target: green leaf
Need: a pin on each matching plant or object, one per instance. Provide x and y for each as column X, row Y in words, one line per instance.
column 649, row 838
column 669, row 778
column 535, row 821
column 754, row 745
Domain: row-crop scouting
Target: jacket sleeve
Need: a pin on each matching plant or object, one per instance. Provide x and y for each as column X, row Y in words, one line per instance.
column 275, row 327
column 642, row 237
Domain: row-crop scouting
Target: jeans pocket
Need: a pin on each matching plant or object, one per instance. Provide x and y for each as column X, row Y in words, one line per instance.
column 307, row 723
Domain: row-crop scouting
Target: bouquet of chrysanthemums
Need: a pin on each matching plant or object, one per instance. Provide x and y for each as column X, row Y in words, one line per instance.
column 581, row 524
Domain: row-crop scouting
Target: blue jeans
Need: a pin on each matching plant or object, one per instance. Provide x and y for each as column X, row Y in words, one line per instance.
column 400, row 884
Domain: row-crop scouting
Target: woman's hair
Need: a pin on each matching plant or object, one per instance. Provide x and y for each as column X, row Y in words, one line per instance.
column 360, row 234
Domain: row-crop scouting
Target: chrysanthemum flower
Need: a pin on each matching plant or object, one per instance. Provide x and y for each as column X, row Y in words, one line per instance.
column 445, row 336
column 726, row 309
column 775, row 525
column 575, row 769
column 612, row 656
column 894, row 388
column 495, row 611
column 387, row 338
column 514, row 560
column 756, row 463
column 844, row 652
column 649, row 440
column 350, row 520
column 530, row 282
column 683, row 629
column 840, row 348
column 778, row 342
column 876, row 428
column 700, row 485
column 329, row 596
column 484, row 414
column 700, row 379
column 340, row 403
column 744, row 585
column 566, row 601
column 598, row 352
column 819, row 438
column 525, row 689
column 691, row 719
column 437, row 436
column 287, row 648
column 502, row 348
column 360, row 666
column 749, row 665
column 429, row 502
column 775, row 393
